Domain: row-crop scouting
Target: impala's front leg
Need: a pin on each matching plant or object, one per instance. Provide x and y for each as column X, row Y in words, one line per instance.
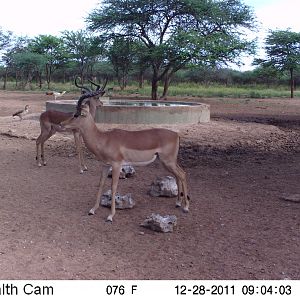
column 103, row 176
column 116, row 169
column 78, row 144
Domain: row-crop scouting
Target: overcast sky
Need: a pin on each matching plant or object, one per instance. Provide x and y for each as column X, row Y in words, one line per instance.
column 34, row 17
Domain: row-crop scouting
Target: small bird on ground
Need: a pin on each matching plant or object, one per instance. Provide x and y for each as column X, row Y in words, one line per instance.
column 22, row 113
column 56, row 94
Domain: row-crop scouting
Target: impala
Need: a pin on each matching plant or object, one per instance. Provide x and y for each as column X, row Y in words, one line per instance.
column 118, row 147
column 49, row 123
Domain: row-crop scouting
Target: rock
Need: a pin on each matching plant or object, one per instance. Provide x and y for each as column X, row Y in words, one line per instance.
column 122, row 202
column 126, row 172
column 164, row 187
column 291, row 198
column 160, row 223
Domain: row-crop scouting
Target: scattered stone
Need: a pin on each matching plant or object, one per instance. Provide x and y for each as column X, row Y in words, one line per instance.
column 126, row 172
column 164, row 187
column 122, row 202
column 160, row 223
column 291, row 198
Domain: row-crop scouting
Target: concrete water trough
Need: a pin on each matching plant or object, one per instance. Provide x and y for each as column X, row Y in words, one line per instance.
column 142, row 112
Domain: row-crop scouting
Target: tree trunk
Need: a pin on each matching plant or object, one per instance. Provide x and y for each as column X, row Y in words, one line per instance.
column 40, row 80
column 292, row 82
column 155, row 80
column 166, row 86
column 28, row 81
column 141, row 79
column 5, row 78
column 48, row 75
column 154, row 91
column 124, row 81
column 16, row 79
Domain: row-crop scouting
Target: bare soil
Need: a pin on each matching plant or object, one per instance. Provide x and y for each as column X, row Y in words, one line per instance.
column 239, row 167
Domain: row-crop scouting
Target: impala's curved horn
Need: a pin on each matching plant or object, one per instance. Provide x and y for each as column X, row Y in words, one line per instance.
column 104, row 85
column 87, row 90
column 98, row 85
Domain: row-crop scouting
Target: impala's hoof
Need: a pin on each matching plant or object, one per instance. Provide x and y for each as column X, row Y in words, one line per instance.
column 178, row 205
column 39, row 165
column 84, row 169
column 91, row 213
column 45, row 164
column 109, row 219
column 185, row 210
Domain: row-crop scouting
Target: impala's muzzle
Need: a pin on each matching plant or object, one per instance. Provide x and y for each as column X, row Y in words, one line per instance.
column 65, row 124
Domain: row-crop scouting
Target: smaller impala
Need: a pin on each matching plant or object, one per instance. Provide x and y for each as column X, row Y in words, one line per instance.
column 118, row 147
column 50, row 124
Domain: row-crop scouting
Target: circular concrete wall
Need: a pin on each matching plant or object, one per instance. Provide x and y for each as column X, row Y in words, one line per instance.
column 142, row 112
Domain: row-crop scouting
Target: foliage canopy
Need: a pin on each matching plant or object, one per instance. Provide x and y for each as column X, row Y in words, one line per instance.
column 177, row 32
column 283, row 53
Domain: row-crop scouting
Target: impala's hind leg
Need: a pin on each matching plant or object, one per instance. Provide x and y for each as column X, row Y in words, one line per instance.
column 116, row 169
column 184, row 190
column 39, row 142
column 37, row 156
column 180, row 194
column 52, row 132
column 46, row 133
column 180, row 176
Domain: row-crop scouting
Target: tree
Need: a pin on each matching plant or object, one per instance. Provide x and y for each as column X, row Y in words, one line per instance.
column 121, row 57
column 53, row 49
column 29, row 64
column 283, row 53
column 5, row 38
column 176, row 32
column 17, row 45
column 81, row 47
column 141, row 61
column 266, row 74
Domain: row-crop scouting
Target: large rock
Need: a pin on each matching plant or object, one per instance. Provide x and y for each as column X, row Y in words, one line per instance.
column 160, row 223
column 164, row 187
column 122, row 202
column 126, row 172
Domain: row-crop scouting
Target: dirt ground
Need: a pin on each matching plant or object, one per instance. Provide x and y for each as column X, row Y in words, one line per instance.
column 239, row 167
